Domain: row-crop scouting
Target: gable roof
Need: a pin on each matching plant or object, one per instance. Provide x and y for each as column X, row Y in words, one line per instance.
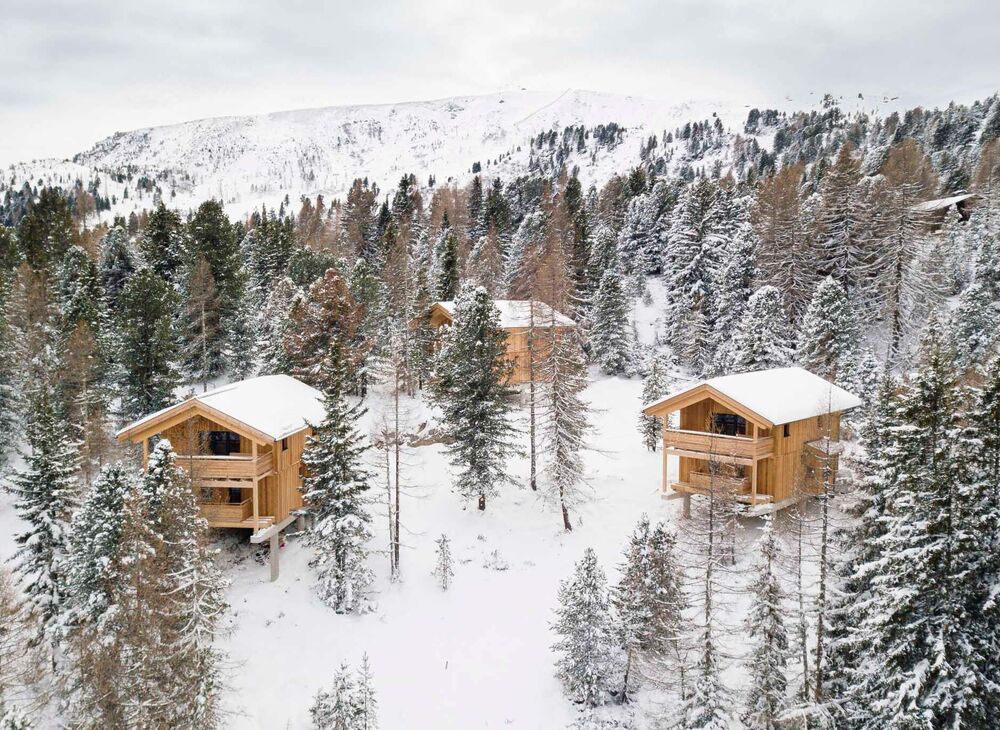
column 274, row 406
column 777, row 396
column 930, row 206
column 516, row 313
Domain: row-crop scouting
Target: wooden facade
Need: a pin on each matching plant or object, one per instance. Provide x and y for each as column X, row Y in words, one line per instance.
column 243, row 477
column 519, row 346
column 722, row 444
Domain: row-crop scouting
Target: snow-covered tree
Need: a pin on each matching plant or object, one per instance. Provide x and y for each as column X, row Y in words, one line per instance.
column 564, row 422
column 22, row 663
column 973, row 325
column 471, row 390
column 336, row 492
column 271, row 328
column 659, row 382
column 46, row 494
column 117, row 265
column 610, row 335
column 649, row 603
column 588, row 663
column 349, row 704
column 763, row 338
column 443, row 570
column 734, row 287
column 146, row 348
column 828, row 336
column 765, row 624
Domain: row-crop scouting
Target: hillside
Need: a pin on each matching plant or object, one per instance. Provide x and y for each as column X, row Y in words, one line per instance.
column 249, row 159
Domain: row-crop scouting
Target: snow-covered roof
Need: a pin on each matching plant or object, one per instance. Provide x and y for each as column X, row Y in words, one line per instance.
column 781, row 395
column 275, row 405
column 517, row 313
column 929, row 206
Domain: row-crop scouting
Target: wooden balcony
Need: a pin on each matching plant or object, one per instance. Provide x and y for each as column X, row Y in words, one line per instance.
column 718, row 447
column 223, row 470
column 740, row 488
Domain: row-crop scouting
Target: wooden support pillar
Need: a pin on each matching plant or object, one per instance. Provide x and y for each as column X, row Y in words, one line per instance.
column 665, row 484
column 300, row 523
column 687, row 505
column 275, row 551
column 145, row 453
column 753, row 483
column 256, row 485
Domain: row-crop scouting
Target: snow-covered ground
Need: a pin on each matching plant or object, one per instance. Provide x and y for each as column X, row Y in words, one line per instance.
column 478, row 655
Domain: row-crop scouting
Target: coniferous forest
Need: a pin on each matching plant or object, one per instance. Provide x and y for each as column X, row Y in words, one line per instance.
column 862, row 248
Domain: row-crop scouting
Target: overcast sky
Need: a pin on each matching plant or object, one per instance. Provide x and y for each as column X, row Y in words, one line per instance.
column 74, row 72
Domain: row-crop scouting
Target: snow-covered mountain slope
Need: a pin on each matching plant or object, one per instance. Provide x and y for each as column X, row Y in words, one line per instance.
column 249, row 159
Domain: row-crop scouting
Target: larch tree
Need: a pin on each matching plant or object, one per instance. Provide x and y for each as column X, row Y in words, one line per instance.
column 471, row 389
column 22, row 663
column 336, row 493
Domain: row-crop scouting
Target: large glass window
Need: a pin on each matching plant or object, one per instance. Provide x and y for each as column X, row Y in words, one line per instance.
column 220, row 443
column 729, row 424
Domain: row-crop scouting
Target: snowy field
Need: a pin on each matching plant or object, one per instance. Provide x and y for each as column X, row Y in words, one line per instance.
column 476, row 656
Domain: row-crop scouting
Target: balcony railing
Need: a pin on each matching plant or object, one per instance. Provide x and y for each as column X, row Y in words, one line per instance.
column 226, row 468
column 718, row 445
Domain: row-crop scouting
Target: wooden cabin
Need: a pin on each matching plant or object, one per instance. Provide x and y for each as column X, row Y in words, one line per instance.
column 769, row 436
column 516, row 319
column 933, row 212
column 242, row 445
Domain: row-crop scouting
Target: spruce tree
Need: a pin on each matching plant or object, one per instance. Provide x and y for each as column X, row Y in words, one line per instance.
column 765, row 624
column 146, row 348
column 763, row 337
column 46, row 494
column 610, row 337
column 587, row 664
column 162, row 243
column 443, row 570
column 828, row 336
column 193, row 591
column 117, row 265
column 350, row 702
column 336, row 492
column 658, row 383
column 471, row 389
column 973, row 325
column 271, row 329
column 733, row 290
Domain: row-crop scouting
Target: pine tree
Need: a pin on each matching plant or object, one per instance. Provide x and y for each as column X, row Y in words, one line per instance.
column 117, row 265
column 587, row 663
column 335, row 492
column 762, row 339
column 79, row 294
column 446, row 265
column 162, row 243
column 47, row 492
column 365, row 699
column 472, row 369
column 973, row 326
column 828, row 340
column 610, row 337
column 765, row 624
column 271, row 329
column 146, row 347
column 443, row 570
column 657, row 384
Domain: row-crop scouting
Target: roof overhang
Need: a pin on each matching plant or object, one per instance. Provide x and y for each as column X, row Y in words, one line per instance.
column 169, row 417
column 701, row 392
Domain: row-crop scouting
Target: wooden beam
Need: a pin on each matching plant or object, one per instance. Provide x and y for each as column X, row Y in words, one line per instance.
column 753, row 483
column 272, row 530
column 256, row 485
column 275, row 550
column 710, row 456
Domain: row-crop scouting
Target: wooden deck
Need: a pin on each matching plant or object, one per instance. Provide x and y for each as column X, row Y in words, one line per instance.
column 703, row 445
column 226, row 468
column 743, row 497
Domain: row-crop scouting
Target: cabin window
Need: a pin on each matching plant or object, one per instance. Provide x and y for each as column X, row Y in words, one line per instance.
column 284, row 444
column 220, row 443
column 786, row 432
column 729, row 424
